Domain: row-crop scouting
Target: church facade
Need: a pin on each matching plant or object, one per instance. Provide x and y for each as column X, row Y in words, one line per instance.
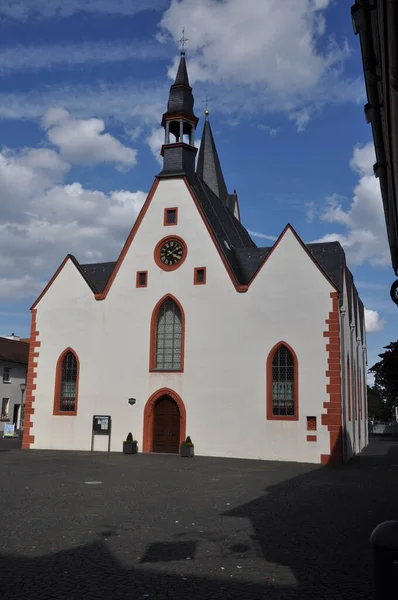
column 254, row 352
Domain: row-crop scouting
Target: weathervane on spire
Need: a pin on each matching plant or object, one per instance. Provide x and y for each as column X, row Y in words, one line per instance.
column 182, row 42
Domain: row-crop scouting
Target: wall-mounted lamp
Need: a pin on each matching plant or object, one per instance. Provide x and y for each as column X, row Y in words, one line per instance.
column 131, row 401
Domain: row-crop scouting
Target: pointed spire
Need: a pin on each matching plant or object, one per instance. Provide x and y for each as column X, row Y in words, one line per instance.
column 209, row 167
column 182, row 73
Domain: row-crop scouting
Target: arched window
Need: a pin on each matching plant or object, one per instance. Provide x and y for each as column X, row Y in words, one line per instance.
column 168, row 333
column 66, row 384
column 282, row 383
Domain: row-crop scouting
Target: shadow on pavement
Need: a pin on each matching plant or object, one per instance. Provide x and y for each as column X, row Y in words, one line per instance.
column 315, row 526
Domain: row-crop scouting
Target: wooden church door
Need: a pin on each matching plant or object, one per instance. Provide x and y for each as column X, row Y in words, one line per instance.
column 166, row 426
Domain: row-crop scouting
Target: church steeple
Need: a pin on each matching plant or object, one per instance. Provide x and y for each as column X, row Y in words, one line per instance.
column 209, row 167
column 209, row 170
column 179, row 123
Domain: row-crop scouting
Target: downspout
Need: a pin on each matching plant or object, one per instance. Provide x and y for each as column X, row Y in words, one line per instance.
column 343, row 369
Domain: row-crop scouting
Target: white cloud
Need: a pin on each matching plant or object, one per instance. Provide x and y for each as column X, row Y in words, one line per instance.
column 263, row 236
column 373, row 323
column 42, row 219
column 28, row 58
column 13, row 289
column 155, row 141
column 130, row 102
column 364, row 238
column 22, row 10
column 269, row 49
column 25, row 175
column 83, row 141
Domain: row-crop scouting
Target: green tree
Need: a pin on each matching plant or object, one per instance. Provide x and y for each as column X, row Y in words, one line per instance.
column 386, row 376
column 377, row 408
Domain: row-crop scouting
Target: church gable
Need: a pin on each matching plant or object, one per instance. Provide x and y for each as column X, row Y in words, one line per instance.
column 292, row 260
column 191, row 237
column 68, row 282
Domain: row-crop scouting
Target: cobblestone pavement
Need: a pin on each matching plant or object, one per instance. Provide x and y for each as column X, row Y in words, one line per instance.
column 162, row 527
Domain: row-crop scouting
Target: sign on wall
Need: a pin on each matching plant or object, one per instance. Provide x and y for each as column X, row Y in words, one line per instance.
column 101, row 426
column 9, row 430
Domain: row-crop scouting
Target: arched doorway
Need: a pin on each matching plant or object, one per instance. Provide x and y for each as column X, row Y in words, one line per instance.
column 164, row 422
column 166, row 426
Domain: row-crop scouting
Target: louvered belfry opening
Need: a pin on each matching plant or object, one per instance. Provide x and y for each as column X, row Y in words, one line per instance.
column 283, row 383
column 168, row 337
column 67, row 402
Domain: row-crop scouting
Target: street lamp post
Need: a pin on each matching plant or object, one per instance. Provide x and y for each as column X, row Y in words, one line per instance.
column 22, row 412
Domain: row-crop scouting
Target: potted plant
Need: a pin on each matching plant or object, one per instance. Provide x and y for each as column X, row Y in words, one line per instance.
column 130, row 446
column 186, row 448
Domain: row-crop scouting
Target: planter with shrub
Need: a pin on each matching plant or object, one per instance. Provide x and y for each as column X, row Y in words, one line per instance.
column 187, row 448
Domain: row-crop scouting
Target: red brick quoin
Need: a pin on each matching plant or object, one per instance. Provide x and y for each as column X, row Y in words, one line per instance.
column 333, row 416
column 28, row 439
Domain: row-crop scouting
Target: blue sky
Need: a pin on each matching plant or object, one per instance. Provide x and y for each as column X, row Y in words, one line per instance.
column 83, row 86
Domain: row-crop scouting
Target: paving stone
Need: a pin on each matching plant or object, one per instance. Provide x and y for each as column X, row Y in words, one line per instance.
column 297, row 531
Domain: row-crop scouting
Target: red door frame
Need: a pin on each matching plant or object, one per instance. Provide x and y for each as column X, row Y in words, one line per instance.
column 147, row 444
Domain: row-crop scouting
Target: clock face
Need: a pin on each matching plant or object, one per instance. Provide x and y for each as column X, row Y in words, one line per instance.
column 171, row 253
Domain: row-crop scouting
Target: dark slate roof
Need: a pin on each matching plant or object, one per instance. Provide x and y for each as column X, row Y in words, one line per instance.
column 229, row 232
column 98, row 274
column 249, row 260
column 182, row 73
column 355, row 297
column 361, row 317
column 209, row 167
column 331, row 257
column 180, row 96
column 14, row 351
column 350, row 285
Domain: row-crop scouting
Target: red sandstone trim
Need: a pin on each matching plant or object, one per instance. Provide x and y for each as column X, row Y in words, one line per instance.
column 156, row 253
column 195, row 276
column 57, row 387
column 165, row 220
column 152, row 343
column 311, row 438
column 28, row 438
column 270, row 416
column 239, row 288
column 137, row 279
column 147, row 444
column 332, row 419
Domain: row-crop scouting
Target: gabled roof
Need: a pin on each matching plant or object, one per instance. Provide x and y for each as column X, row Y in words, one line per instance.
column 14, row 351
column 228, row 231
column 329, row 256
column 98, row 274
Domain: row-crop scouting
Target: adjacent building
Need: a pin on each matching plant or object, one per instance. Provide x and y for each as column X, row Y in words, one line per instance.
column 254, row 352
column 376, row 23
column 13, row 370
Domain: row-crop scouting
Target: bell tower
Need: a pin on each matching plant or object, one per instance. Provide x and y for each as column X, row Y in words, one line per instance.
column 179, row 123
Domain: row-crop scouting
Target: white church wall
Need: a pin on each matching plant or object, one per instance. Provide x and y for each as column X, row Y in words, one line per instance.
column 228, row 338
